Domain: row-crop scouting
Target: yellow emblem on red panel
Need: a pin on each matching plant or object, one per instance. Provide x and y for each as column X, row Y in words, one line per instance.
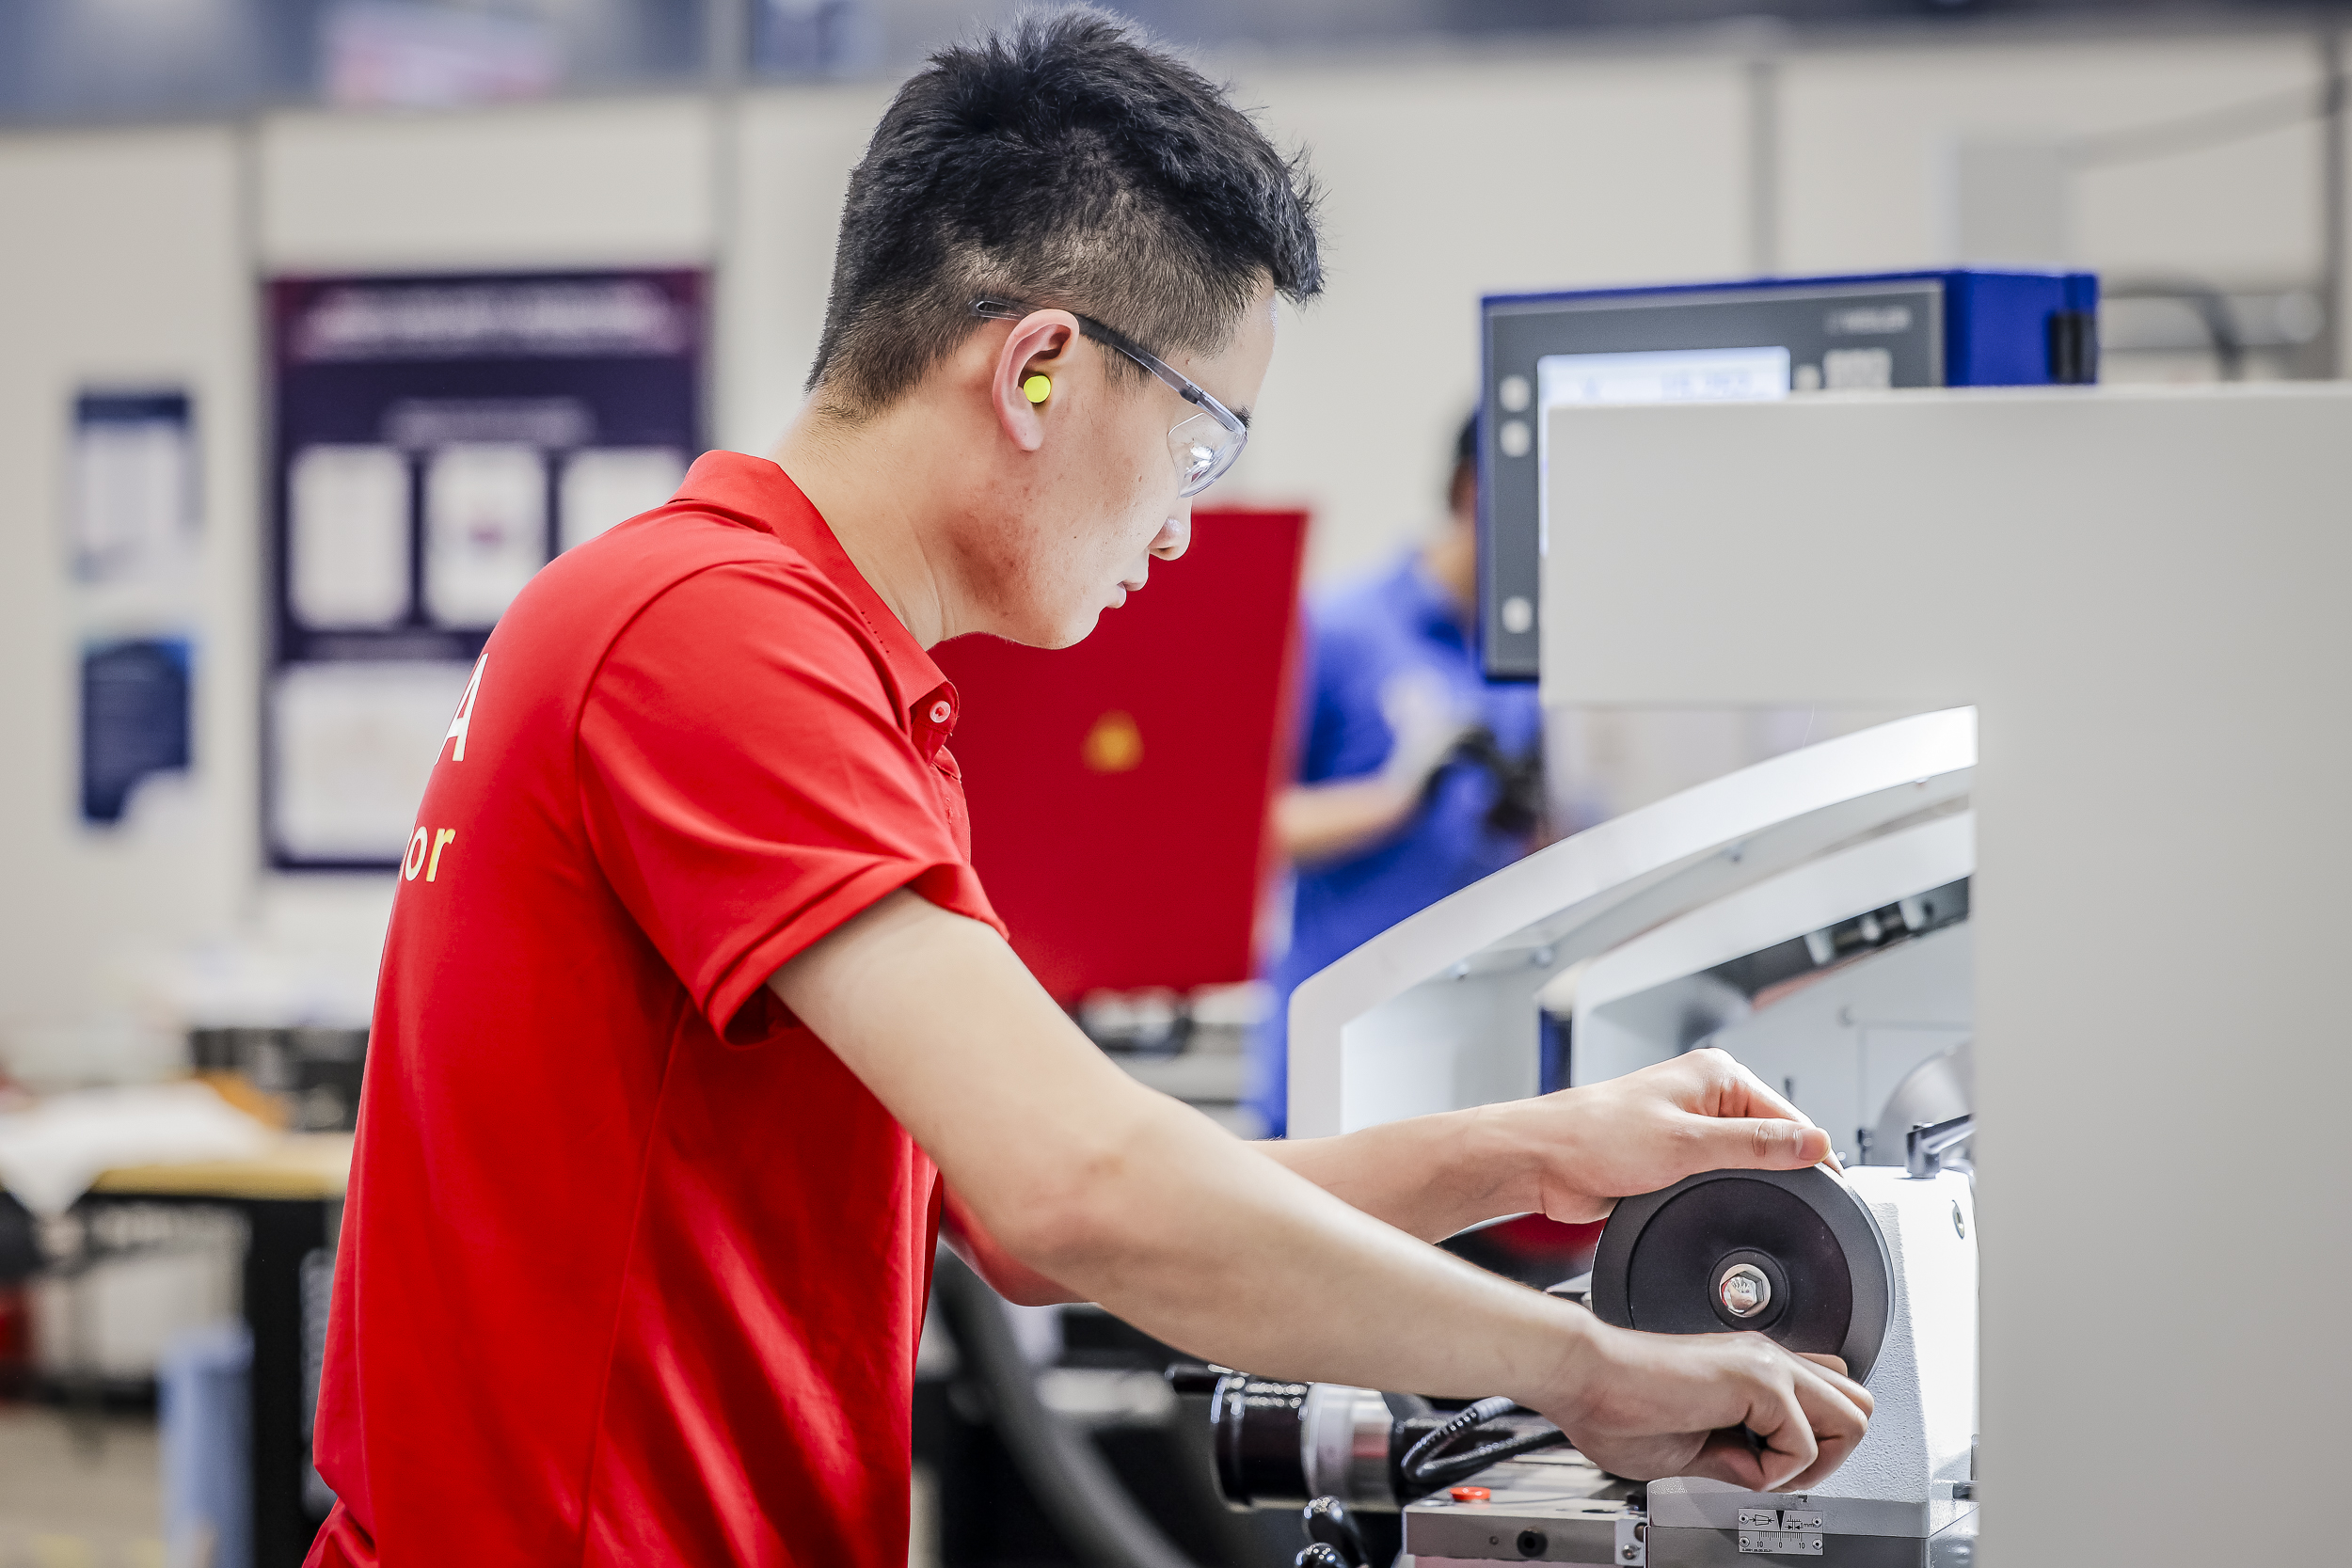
column 1114, row 745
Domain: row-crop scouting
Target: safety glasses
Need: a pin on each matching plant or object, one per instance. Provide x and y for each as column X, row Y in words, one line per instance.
column 1205, row 445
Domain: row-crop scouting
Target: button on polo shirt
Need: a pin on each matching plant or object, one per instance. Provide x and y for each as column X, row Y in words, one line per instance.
column 632, row 1268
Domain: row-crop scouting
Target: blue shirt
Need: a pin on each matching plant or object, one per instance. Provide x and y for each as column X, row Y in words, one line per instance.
column 1360, row 637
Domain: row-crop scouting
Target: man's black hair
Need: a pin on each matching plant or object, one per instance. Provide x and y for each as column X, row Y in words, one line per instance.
column 1465, row 470
column 1062, row 161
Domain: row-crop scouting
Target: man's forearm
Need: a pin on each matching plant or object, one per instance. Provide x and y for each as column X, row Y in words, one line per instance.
column 1143, row 1205
column 1427, row 1176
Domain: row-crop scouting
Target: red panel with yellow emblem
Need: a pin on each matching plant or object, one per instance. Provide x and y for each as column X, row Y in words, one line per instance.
column 1120, row 789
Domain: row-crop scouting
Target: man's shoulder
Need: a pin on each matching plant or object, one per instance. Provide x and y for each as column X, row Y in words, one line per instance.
column 606, row 584
column 654, row 551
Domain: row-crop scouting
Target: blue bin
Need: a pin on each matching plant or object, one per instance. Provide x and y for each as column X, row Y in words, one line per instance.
column 203, row 1387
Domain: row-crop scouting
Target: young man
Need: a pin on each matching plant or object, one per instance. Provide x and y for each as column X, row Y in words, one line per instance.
column 1414, row 773
column 691, row 998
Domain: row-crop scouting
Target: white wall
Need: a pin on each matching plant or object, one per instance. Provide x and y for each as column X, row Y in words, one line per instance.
column 1868, row 137
column 134, row 257
column 124, row 267
column 1446, row 181
column 616, row 183
column 797, row 151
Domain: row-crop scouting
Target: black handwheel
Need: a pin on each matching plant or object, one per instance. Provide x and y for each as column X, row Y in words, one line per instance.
column 1791, row 1254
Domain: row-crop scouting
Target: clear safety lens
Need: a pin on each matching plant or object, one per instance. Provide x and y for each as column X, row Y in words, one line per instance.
column 1203, row 449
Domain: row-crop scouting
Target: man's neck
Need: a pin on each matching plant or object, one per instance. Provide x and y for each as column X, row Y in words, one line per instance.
column 868, row 480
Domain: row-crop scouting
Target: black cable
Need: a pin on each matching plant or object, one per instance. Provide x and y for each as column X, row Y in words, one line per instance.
column 1071, row 1480
column 1476, row 1414
column 1461, row 1466
column 1425, row 1467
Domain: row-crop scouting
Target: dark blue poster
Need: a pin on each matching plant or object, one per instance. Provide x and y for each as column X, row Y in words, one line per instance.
column 438, row 440
column 135, row 720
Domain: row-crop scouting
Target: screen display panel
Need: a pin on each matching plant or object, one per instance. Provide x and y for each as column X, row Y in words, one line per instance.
column 1664, row 375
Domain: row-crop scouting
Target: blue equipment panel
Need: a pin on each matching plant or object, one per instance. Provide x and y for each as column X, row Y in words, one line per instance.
column 1769, row 337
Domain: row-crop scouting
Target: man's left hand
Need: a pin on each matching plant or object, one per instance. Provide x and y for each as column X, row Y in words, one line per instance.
column 1702, row 1111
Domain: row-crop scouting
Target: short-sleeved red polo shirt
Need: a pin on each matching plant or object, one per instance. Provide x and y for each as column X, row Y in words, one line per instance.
column 633, row 1268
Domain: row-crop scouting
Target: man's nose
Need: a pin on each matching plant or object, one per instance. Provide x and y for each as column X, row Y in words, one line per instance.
column 1175, row 536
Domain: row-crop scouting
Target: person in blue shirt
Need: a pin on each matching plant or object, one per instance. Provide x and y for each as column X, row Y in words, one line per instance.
column 1416, row 778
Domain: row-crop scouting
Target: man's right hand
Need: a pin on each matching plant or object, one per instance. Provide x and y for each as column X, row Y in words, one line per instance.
column 1644, row 1406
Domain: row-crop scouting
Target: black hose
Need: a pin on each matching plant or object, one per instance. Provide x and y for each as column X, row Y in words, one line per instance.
column 1461, row 1466
column 1426, row 1468
column 1072, row 1482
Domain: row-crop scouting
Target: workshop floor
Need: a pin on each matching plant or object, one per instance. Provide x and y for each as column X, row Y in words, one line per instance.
column 78, row 1494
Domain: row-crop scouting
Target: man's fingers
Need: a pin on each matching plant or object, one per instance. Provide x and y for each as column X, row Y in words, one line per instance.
column 1836, row 1413
column 1761, row 1143
column 1730, row 1457
column 1745, row 1095
column 1789, row 1449
column 1808, row 1416
column 1833, row 1373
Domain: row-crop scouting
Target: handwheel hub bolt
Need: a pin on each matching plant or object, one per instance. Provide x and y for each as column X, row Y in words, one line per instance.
column 1744, row 1290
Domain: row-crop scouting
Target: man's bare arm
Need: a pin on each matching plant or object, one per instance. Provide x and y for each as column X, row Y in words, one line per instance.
column 1133, row 1200
column 1570, row 1154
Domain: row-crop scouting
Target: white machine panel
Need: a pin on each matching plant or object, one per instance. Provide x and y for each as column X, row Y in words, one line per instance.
column 1440, row 1012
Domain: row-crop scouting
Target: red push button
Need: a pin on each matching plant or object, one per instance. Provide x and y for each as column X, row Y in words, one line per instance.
column 1470, row 1495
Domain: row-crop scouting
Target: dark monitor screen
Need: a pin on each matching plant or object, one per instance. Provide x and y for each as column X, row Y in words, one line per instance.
column 1759, row 341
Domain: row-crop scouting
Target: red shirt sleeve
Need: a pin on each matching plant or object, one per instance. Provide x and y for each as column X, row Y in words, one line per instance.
column 748, row 785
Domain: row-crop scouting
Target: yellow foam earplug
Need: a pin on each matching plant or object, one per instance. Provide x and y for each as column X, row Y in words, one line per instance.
column 1037, row 389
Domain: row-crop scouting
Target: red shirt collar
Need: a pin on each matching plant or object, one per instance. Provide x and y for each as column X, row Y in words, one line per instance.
column 755, row 493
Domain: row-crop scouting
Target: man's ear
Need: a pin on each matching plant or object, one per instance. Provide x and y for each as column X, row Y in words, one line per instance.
column 1044, row 342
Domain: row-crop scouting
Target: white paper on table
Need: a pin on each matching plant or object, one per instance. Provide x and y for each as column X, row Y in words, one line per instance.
column 352, row 744
column 486, row 529
column 50, row 1154
column 605, row 485
column 348, row 536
